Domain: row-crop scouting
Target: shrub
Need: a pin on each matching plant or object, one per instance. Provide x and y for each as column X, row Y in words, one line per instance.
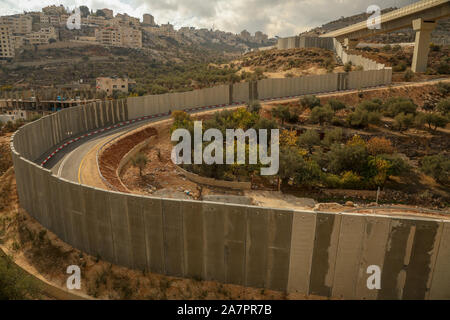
column 435, row 120
column 395, row 106
column 283, row 113
column 14, row 283
column 443, row 67
column 140, row 161
column 398, row 166
column 361, row 118
column 307, row 172
column 396, row 48
column 443, row 87
column 387, row 47
column 336, row 104
column 371, row 105
column 321, row 115
column 438, row 167
column 349, row 157
column 309, row 139
column 348, row 67
column 376, row 146
column 350, row 180
column 254, row 106
column 444, row 106
column 333, row 136
column 403, row 121
column 409, row 74
column 435, row 47
column 399, row 67
column 309, row 101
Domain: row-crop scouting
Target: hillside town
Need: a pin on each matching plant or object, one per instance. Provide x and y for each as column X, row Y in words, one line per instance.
column 103, row 27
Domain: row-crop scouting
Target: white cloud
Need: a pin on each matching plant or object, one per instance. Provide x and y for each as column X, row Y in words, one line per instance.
column 274, row 17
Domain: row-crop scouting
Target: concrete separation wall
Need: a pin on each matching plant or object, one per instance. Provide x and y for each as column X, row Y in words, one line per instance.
column 315, row 253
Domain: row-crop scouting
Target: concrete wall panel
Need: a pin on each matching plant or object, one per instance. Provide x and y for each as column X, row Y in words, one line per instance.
column 279, row 243
column 154, row 232
column 348, row 256
column 374, row 244
column 193, row 239
column 440, row 288
column 173, row 237
column 422, row 260
column 397, row 255
column 214, row 233
column 120, row 229
column 302, row 244
column 324, row 253
column 235, row 243
column 137, row 232
column 257, row 244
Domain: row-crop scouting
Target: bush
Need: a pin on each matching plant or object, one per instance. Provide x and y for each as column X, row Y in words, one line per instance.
column 309, row 139
column 348, row 67
column 395, row 106
column 309, row 101
column 398, row 166
column 438, row 167
column 443, row 87
column 444, row 106
column 409, row 74
column 435, row 120
column 283, row 113
column 435, row 47
column 403, row 121
column 376, row 146
column 333, row 136
column 254, row 106
column 140, row 161
column 351, row 180
column 371, row 105
column 14, row 283
column 387, row 47
column 336, row 104
column 443, row 68
column 321, row 115
column 349, row 157
column 361, row 118
column 399, row 67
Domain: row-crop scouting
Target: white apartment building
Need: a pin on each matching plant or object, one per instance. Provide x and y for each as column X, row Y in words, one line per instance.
column 6, row 43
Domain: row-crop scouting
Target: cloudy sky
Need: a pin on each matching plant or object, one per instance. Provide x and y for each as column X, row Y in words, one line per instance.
column 274, row 17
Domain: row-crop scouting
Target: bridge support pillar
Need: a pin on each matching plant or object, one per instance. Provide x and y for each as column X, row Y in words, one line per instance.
column 422, row 45
column 350, row 43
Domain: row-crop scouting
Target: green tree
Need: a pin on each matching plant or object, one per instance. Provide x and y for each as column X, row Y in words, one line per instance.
column 435, row 120
column 444, row 106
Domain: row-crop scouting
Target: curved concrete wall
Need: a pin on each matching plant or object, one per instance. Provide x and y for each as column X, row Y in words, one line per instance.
column 317, row 253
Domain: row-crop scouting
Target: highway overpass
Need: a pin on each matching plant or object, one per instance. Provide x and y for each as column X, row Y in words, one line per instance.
column 421, row 16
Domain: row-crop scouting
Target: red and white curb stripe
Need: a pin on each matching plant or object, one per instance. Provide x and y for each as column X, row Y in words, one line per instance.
column 123, row 123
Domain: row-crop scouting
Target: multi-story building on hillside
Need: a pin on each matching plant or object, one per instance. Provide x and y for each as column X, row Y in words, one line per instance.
column 20, row 24
column 43, row 36
column 148, row 19
column 6, row 43
column 109, row 85
column 119, row 37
